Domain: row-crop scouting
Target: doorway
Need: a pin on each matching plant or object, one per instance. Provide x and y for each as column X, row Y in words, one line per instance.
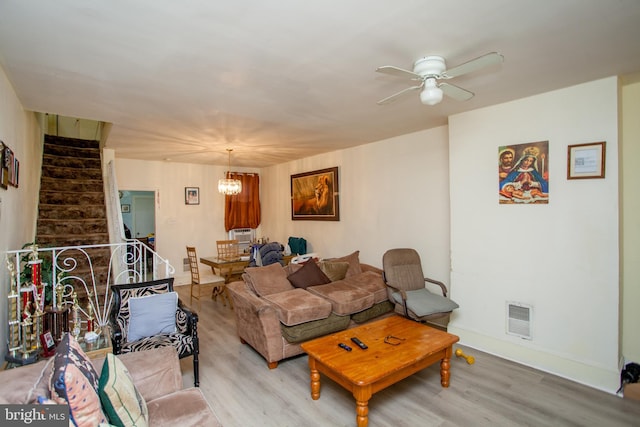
column 139, row 213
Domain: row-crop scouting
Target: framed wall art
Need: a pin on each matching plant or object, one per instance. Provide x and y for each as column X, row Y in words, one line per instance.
column 191, row 195
column 586, row 160
column 126, row 208
column 523, row 173
column 315, row 196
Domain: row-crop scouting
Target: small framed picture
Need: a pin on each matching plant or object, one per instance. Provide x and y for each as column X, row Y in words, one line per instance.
column 191, row 195
column 586, row 160
column 126, row 208
column 48, row 344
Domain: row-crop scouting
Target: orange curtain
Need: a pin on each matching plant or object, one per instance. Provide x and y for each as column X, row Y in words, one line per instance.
column 243, row 210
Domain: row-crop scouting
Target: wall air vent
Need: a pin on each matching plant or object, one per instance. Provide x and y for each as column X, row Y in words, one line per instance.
column 519, row 319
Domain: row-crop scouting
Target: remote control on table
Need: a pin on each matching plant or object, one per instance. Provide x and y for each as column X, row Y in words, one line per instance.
column 343, row 345
column 359, row 343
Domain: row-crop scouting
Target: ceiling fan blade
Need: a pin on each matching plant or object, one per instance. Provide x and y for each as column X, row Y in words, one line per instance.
column 397, row 95
column 456, row 92
column 474, row 64
column 395, row 71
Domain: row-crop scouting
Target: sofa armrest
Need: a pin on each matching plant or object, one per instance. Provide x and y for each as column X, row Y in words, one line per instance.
column 368, row 267
column 155, row 372
column 257, row 322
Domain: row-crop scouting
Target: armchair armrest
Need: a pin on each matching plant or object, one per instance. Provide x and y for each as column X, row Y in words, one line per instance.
column 369, row 267
column 439, row 283
column 190, row 324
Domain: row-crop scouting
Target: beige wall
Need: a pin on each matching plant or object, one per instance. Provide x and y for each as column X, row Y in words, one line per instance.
column 393, row 193
column 561, row 258
column 177, row 224
column 19, row 129
column 630, row 216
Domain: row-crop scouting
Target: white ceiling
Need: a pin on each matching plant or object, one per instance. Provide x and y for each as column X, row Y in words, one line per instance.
column 282, row 80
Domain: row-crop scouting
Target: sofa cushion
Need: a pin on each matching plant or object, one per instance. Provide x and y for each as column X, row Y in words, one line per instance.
column 335, row 270
column 345, row 298
column 317, row 328
column 309, row 275
column 297, row 306
column 372, row 312
column 267, row 280
column 371, row 282
column 152, row 315
column 187, row 407
column 121, row 401
column 75, row 381
column 354, row 263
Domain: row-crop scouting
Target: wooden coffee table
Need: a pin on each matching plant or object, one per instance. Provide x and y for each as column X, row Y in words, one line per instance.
column 410, row 347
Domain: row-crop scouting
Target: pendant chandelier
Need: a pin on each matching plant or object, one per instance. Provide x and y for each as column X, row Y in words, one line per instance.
column 227, row 185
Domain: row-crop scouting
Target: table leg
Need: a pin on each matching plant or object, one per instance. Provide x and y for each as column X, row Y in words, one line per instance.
column 445, row 366
column 362, row 395
column 315, row 379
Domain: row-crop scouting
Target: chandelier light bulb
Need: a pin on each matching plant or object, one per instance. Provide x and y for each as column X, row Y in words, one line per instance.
column 227, row 185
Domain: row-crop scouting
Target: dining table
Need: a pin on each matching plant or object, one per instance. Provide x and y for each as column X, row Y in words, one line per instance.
column 234, row 267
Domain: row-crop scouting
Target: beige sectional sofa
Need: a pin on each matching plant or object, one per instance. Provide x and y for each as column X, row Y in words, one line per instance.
column 277, row 308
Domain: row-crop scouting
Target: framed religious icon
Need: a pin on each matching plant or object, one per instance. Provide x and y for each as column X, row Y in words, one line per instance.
column 523, row 173
column 586, row 160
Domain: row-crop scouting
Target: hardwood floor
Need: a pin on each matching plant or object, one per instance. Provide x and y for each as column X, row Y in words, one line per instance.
column 492, row 392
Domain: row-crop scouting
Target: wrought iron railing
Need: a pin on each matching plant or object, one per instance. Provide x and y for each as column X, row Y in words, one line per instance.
column 74, row 280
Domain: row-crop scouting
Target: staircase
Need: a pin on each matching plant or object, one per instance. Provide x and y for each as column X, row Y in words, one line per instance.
column 72, row 208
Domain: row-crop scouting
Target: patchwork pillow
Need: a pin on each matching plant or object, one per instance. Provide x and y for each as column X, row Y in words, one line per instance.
column 309, row 275
column 354, row 263
column 152, row 315
column 267, row 280
column 75, row 382
column 334, row 270
column 121, row 401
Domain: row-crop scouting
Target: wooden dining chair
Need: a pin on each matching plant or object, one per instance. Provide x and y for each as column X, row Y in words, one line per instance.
column 204, row 278
column 228, row 250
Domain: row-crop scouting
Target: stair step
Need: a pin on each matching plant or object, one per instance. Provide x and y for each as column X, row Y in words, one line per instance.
column 71, row 173
column 47, row 211
column 71, row 198
column 61, row 184
column 71, row 226
column 71, row 142
column 70, row 162
column 49, row 241
column 66, row 151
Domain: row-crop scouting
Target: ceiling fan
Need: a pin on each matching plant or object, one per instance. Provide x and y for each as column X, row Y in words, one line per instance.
column 428, row 70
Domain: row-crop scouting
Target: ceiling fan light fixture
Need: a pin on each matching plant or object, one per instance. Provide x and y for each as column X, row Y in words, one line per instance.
column 227, row 185
column 431, row 94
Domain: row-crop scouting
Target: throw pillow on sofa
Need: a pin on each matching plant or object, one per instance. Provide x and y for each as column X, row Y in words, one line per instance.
column 310, row 274
column 75, row 382
column 267, row 280
column 354, row 263
column 121, row 401
column 335, row 270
